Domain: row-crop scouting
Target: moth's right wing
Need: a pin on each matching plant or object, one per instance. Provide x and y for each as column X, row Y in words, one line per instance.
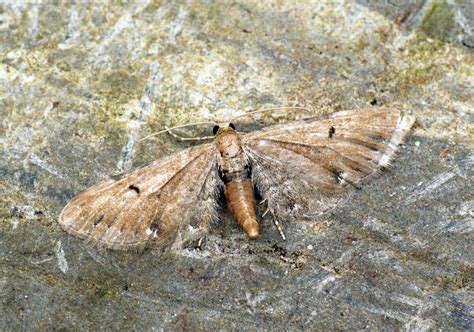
column 163, row 204
column 306, row 168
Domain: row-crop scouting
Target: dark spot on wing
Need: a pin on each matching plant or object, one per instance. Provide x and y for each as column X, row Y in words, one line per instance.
column 369, row 145
column 134, row 188
column 378, row 138
column 338, row 176
column 357, row 169
column 341, row 179
column 154, row 227
column 110, row 222
column 332, row 131
column 98, row 220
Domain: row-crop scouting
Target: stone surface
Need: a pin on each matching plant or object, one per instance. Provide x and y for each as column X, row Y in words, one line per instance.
column 82, row 83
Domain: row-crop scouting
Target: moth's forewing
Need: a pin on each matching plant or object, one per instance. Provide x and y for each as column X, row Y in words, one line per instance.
column 315, row 162
column 152, row 205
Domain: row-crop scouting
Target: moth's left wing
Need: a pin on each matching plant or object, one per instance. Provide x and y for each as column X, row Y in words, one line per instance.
column 306, row 168
column 159, row 205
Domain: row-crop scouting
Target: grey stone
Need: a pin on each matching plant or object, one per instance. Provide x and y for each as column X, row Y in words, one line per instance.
column 81, row 83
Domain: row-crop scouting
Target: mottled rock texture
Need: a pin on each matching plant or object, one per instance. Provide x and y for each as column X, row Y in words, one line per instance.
column 81, row 83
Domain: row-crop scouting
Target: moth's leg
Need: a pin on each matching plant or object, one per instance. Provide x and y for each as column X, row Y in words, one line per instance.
column 197, row 244
column 181, row 138
column 278, row 226
column 274, row 220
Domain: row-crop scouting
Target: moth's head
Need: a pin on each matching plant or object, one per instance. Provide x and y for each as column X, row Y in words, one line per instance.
column 219, row 129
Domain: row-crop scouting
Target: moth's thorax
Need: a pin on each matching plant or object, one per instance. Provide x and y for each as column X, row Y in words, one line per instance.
column 228, row 142
column 231, row 157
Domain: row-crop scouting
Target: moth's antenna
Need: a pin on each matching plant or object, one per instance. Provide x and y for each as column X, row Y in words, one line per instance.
column 182, row 138
column 272, row 109
column 176, row 127
column 215, row 123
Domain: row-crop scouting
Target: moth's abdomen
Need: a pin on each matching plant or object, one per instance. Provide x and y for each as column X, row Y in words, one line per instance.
column 241, row 203
column 235, row 173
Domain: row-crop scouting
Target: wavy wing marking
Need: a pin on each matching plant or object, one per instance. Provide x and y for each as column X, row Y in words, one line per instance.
column 158, row 205
column 307, row 167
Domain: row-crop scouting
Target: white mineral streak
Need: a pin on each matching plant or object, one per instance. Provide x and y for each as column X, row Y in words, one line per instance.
column 136, row 115
column 437, row 181
column 61, row 256
column 34, row 159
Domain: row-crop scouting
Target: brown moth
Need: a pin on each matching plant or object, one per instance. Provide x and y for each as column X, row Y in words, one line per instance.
column 302, row 169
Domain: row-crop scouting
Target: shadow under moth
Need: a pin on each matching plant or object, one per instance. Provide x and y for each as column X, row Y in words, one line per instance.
column 302, row 169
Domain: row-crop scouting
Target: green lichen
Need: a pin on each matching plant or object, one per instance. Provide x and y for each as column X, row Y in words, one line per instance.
column 153, row 6
column 421, row 57
column 438, row 21
column 8, row 196
column 429, row 55
column 120, row 86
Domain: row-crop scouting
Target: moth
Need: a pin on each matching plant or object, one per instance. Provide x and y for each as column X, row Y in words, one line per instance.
column 302, row 169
